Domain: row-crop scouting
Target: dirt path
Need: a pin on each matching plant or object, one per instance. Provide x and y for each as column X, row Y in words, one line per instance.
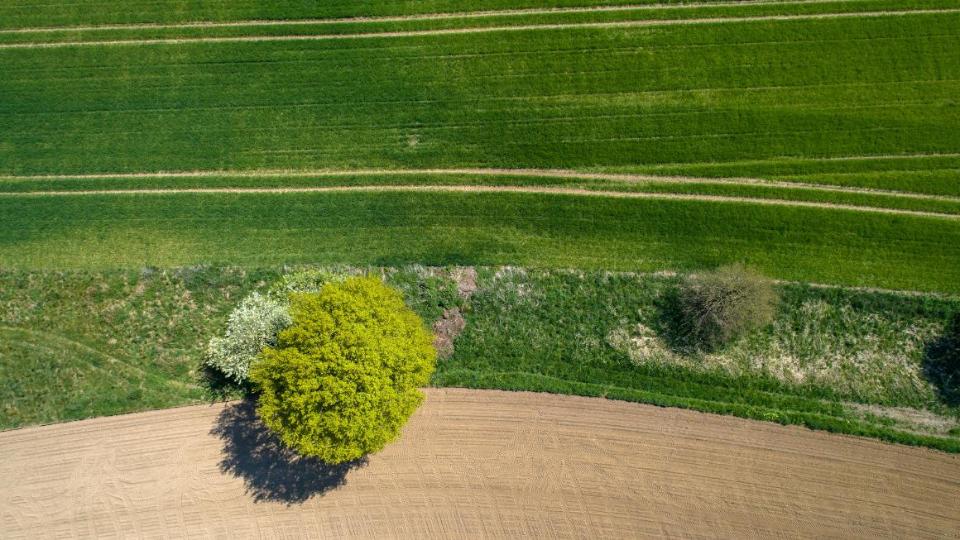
column 478, row 464
column 491, row 189
column 632, row 178
column 478, row 30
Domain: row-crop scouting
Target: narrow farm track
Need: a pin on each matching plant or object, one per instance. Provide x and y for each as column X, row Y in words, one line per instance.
column 478, row 30
column 475, row 464
column 492, row 189
column 525, row 173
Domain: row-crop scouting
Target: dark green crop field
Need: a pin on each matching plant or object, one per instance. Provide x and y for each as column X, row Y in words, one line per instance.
column 552, row 98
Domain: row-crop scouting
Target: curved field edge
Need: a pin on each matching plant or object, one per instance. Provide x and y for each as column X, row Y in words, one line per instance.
column 503, row 464
column 535, row 382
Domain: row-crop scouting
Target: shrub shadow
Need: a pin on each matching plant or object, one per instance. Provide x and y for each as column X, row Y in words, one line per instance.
column 670, row 323
column 940, row 368
column 217, row 386
column 270, row 471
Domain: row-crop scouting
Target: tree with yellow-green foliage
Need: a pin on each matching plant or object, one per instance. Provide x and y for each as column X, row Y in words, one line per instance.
column 345, row 376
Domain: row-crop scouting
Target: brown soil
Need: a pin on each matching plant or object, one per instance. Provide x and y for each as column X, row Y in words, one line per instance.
column 445, row 331
column 478, row 464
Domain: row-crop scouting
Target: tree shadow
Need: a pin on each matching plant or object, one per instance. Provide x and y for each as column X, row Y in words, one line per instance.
column 270, row 471
column 218, row 387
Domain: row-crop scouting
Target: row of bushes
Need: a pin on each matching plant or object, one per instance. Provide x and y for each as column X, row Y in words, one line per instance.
column 336, row 360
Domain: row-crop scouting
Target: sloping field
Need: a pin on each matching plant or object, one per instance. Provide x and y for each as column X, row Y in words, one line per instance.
column 480, row 464
column 700, row 111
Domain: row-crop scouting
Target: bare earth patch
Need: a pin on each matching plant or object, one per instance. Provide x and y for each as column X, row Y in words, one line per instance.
column 445, row 331
column 477, row 464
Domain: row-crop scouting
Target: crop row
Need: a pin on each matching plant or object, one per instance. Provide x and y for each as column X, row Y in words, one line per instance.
column 464, row 101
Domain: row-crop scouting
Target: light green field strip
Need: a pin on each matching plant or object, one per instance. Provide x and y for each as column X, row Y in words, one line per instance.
column 423, row 17
column 480, row 30
column 493, row 189
column 528, row 173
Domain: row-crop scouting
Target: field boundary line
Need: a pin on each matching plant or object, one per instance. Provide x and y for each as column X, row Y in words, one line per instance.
column 418, row 17
column 477, row 30
column 631, row 178
column 493, row 189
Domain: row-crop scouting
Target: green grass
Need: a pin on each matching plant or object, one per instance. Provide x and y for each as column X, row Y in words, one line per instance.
column 778, row 100
column 255, row 230
column 557, row 98
column 489, row 20
column 556, row 332
column 27, row 13
column 30, row 13
column 929, row 175
column 551, row 331
column 80, row 344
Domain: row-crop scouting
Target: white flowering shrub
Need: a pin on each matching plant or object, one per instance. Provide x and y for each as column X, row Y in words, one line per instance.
column 253, row 325
column 305, row 281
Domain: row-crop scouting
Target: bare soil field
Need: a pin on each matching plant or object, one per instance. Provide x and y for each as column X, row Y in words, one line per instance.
column 478, row 464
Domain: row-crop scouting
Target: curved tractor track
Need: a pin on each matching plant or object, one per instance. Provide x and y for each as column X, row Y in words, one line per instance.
column 476, row 464
column 479, row 30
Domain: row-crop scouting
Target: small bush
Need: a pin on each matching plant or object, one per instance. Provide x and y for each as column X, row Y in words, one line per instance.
column 345, row 376
column 716, row 307
column 253, row 325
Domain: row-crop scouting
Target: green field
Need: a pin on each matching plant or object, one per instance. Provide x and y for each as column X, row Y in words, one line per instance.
column 816, row 140
column 744, row 102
